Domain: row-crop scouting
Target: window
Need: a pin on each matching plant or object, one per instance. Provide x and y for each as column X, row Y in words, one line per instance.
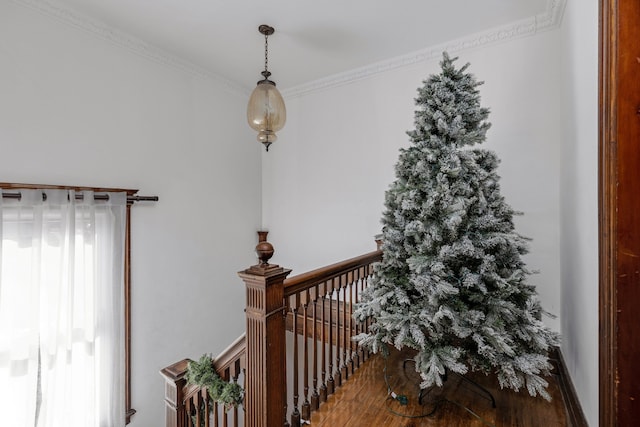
column 64, row 307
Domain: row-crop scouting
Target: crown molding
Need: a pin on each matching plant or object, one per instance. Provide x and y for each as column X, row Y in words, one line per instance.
column 550, row 19
column 135, row 45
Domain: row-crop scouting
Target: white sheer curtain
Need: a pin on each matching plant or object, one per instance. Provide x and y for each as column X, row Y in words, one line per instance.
column 62, row 310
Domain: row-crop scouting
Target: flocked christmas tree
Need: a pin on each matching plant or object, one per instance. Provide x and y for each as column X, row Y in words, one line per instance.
column 452, row 283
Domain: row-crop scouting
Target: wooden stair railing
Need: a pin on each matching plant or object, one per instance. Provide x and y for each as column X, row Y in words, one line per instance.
column 309, row 318
column 188, row 405
column 319, row 315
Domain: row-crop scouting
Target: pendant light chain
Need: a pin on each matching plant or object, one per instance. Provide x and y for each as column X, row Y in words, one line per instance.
column 266, row 52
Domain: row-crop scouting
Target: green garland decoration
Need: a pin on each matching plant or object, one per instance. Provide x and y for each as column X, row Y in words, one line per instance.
column 203, row 374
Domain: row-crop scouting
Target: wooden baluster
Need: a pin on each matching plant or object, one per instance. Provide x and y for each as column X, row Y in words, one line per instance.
column 345, row 373
column 360, row 324
column 358, row 328
column 367, row 353
column 196, row 408
column 265, row 380
column 216, row 414
column 188, row 406
column 330, row 382
column 356, row 324
column 325, row 379
column 351, row 364
column 225, row 413
column 336, row 304
column 206, row 407
column 306, row 406
column 315, row 397
column 295, row 414
column 187, row 414
column 365, row 326
column 197, row 403
column 235, row 374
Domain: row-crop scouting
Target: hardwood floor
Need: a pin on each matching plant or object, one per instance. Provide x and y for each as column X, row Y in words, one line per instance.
column 362, row 401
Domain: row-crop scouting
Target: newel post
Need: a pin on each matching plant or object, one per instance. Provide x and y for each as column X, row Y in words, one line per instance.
column 265, row 380
column 174, row 382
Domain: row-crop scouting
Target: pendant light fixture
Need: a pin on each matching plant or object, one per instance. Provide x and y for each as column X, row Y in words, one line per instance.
column 266, row 112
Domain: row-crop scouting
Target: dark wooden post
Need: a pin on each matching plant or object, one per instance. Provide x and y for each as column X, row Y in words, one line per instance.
column 175, row 414
column 265, row 381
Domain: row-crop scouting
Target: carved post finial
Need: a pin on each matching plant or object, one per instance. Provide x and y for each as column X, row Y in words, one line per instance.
column 264, row 249
column 265, row 377
column 378, row 238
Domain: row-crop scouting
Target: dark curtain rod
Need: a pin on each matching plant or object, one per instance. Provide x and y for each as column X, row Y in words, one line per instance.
column 130, row 199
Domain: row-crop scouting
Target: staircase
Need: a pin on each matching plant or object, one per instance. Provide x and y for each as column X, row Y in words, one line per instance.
column 296, row 352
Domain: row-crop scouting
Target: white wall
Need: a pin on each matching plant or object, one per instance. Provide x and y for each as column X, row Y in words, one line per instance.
column 579, row 196
column 78, row 110
column 324, row 179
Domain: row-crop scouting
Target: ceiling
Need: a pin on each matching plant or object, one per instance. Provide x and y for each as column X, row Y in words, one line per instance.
column 313, row 39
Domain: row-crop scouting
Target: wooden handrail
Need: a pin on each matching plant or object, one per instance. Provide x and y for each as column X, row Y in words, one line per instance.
column 303, row 281
column 317, row 307
column 227, row 358
column 231, row 355
column 179, row 394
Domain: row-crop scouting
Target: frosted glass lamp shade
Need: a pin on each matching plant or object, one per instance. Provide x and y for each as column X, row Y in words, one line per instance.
column 266, row 112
